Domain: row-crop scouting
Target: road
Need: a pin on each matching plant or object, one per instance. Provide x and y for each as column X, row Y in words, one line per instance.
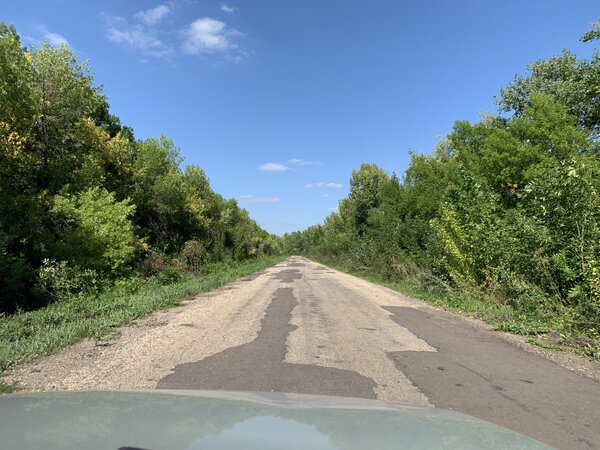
column 302, row 327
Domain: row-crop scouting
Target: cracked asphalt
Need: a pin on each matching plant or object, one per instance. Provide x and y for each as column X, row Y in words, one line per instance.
column 304, row 328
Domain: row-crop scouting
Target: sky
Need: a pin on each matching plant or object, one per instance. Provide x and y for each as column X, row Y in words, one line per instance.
column 279, row 100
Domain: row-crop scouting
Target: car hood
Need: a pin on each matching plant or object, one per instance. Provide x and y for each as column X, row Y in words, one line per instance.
column 230, row 420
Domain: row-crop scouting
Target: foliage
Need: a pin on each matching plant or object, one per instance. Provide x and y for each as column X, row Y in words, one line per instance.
column 80, row 195
column 192, row 255
column 501, row 219
column 94, row 230
column 169, row 276
column 15, row 274
column 571, row 81
column 62, row 281
column 7, row 388
column 593, row 33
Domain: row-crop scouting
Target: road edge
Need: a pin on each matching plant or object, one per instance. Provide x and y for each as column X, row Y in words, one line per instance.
column 568, row 360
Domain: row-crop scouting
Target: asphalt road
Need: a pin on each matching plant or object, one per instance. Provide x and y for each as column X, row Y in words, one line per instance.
column 304, row 328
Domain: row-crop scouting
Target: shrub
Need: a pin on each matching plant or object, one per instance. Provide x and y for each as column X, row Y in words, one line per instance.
column 154, row 263
column 128, row 286
column 169, row 276
column 216, row 267
column 60, row 281
column 192, row 256
column 95, row 229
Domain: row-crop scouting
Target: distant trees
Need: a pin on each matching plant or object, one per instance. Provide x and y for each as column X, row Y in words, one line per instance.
column 508, row 206
column 82, row 199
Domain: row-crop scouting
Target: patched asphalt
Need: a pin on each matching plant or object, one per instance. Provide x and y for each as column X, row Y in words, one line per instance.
column 301, row 327
column 260, row 365
column 482, row 375
column 340, row 340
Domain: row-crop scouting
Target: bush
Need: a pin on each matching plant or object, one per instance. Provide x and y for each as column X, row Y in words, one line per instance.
column 95, row 229
column 216, row 267
column 192, row 256
column 60, row 281
column 128, row 286
column 169, row 276
column 154, row 263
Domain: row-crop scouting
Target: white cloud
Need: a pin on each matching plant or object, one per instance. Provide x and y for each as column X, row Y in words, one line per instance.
column 136, row 37
column 56, row 39
column 273, row 167
column 53, row 39
column 325, row 195
column 154, row 15
column 253, row 198
column 208, row 35
column 151, row 35
column 302, row 162
column 228, row 9
column 139, row 39
column 323, row 185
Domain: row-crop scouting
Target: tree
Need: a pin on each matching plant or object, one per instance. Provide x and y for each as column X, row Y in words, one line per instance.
column 593, row 34
column 80, row 197
column 111, row 123
column 94, row 231
column 366, row 187
column 571, row 81
column 65, row 95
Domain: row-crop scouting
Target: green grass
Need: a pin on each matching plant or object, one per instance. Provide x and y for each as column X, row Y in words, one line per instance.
column 502, row 317
column 27, row 335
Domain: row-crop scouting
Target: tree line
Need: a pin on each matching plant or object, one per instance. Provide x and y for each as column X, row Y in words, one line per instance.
column 507, row 208
column 83, row 202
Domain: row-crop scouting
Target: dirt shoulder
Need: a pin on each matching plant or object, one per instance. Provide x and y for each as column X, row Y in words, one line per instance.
column 148, row 349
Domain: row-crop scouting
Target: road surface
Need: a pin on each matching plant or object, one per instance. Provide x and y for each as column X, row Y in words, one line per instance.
column 304, row 328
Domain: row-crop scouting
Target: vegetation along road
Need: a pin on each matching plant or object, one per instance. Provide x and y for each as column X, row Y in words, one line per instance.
column 305, row 328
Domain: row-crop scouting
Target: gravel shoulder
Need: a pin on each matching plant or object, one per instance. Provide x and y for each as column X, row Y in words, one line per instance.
column 148, row 349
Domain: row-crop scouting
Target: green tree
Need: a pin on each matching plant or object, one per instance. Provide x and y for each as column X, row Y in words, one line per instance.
column 593, row 34
column 94, row 231
column 65, row 95
column 366, row 187
column 80, row 197
column 571, row 81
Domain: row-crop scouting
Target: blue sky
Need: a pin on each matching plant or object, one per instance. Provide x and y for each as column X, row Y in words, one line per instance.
column 279, row 100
